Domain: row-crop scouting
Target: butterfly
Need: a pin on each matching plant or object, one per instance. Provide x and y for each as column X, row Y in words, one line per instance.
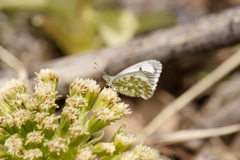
column 138, row 80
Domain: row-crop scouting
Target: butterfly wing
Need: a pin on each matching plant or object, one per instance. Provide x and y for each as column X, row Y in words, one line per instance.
column 135, row 84
column 152, row 66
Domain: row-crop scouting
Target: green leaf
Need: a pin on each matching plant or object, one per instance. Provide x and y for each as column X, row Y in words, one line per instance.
column 117, row 27
column 120, row 130
column 95, row 140
column 153, row 21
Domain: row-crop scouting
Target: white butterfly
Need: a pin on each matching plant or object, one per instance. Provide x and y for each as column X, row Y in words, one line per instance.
column 139, row 80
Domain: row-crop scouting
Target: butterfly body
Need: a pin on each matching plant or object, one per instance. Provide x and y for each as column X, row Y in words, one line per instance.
column 139, row 80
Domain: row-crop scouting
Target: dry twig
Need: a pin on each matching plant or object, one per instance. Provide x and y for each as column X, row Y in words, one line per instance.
column 187, row 135
column 14, row 63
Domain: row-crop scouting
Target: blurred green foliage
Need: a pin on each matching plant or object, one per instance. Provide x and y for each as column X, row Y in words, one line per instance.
column 76, row 25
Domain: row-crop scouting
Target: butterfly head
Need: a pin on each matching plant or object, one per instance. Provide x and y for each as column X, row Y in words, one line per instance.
column 107, row 79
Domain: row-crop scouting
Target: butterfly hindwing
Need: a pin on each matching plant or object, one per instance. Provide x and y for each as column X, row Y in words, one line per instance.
column 135, row 84
column 139, row 80
column 152, row 66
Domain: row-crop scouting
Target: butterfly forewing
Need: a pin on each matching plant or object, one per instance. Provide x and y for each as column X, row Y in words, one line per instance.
column 135, row 84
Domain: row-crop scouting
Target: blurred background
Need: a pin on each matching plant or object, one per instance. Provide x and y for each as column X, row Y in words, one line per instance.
column 40, row 32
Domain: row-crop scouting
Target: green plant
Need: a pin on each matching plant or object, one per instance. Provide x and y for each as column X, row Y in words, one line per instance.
column 80, row 25
column 31, row 131
column 77, row 25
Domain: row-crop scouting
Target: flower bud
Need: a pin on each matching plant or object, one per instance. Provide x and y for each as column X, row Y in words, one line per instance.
column 123, row 141
column 104, row 149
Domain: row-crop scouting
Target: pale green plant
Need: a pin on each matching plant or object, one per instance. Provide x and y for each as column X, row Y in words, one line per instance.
column 30, row 129
column 81, row 25
column 77, row 25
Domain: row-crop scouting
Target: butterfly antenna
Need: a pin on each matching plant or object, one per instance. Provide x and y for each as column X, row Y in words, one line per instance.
column 99, row 68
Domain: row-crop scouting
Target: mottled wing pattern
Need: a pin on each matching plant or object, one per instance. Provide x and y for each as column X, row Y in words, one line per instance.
column 135, row 84
column 139, row 80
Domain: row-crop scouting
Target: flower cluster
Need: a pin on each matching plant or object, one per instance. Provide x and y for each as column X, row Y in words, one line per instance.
column 31, row 131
